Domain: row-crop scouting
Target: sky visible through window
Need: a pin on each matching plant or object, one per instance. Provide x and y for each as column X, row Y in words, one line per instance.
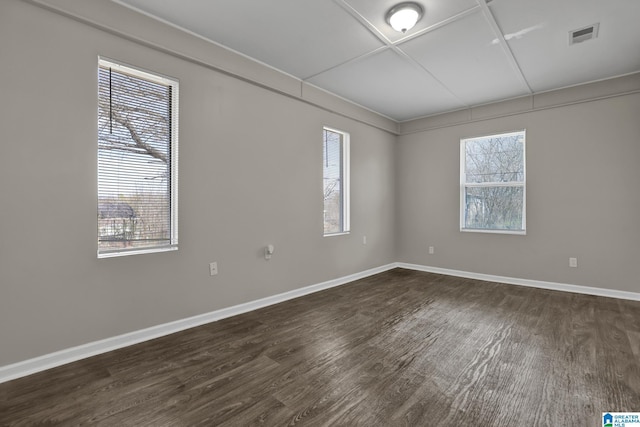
column 493, row 182
column 134, row 161
column 332, row 173
column 132, row 106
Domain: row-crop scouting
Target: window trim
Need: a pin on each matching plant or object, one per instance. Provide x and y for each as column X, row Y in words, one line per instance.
column 173, row 164
column 523, row 184
column 345, row 183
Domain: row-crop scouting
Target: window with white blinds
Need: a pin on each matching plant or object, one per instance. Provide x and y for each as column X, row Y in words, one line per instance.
column 137, row 161
column 335, row 161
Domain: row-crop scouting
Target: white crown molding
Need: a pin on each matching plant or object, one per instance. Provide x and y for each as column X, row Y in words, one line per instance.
column 628, row 84
column 129, row 23
column 62, row 357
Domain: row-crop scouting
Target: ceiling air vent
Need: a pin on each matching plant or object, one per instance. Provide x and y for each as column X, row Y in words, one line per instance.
column 583, row 34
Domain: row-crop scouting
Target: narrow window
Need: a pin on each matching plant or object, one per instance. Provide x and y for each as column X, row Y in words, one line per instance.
column 335, row 162
column 137, row 161
column 492, row 183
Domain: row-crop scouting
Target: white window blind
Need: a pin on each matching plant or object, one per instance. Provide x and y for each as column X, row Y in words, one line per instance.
column 137, row 161
column 335, row 181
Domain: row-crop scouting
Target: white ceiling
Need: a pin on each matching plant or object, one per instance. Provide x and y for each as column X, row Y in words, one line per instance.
column 460, row 54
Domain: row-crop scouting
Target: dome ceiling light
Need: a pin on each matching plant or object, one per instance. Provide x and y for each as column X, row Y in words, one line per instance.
column 403, row 16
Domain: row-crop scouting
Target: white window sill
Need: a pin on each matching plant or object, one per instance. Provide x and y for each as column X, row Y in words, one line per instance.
column 479, row 230
column 337, row 234
column 119, row 253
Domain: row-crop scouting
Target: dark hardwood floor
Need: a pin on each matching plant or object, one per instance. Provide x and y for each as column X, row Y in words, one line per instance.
column 401, row 348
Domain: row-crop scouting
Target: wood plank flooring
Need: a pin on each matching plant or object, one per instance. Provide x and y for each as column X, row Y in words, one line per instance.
column 401, row 348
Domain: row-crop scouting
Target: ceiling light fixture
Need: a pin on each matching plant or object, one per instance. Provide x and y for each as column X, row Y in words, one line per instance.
column 402, row 17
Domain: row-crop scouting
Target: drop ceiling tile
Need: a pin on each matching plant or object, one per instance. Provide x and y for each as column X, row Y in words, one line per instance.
column 434, row 12
column 322, row 42
column 467, row 58
column 538, row 35
column 301, row 38
column 388, row 84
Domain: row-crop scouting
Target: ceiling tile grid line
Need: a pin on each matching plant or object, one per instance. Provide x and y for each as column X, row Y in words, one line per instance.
column 347, row 62
column 394, row 45
column 437, row 25
column 424, row 69
column 486, row 11
column 410, row 35
column 459, row 38
column 364, row 21
column 460, row 54
column 388, row 43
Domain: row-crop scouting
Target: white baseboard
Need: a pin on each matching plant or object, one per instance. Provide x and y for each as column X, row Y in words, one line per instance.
column 62, row 357
column 611, row 293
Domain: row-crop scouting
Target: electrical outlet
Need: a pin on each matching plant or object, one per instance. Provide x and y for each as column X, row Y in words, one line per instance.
column 573, row 262
column 364, row 240
column 213, row 268
column 432, row 250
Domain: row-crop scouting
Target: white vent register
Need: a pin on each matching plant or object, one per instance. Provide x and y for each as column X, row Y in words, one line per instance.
column 583, row 34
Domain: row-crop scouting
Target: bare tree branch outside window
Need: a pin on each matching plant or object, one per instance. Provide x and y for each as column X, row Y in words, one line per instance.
column 493, row 182
column 134, row 159
column 334, row 181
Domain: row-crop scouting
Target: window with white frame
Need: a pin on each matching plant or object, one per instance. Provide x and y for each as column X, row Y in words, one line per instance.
column 493, row 183
column 335, row 162
column 137, row 161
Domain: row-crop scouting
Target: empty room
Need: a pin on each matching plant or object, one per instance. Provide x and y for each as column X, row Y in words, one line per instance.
column 320, row 212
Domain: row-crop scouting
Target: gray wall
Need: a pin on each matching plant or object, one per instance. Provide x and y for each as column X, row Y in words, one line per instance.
column 250, row 174
column 582, row 196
